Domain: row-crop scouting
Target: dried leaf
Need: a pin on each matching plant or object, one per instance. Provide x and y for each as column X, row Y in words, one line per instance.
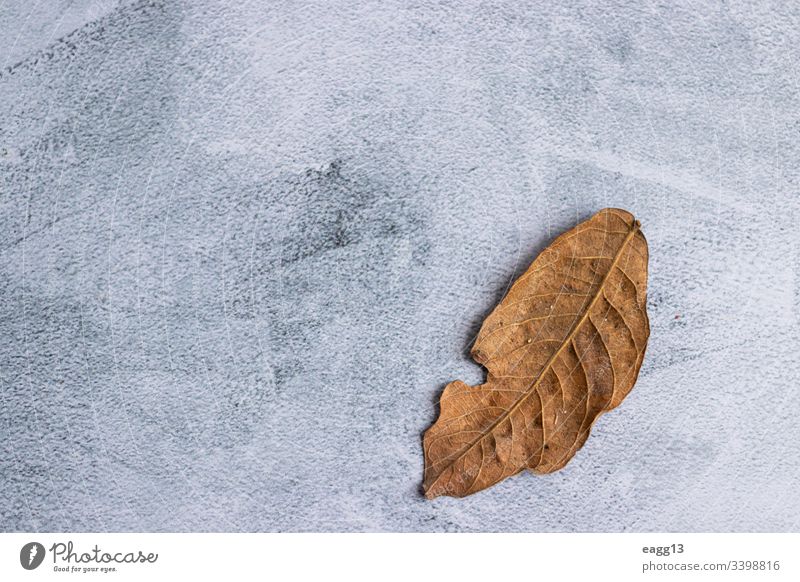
column 564, row 346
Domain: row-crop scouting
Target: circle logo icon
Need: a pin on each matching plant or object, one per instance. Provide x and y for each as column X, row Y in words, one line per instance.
column 31, row 555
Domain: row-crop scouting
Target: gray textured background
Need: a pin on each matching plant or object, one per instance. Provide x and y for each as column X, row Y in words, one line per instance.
column 244, row 247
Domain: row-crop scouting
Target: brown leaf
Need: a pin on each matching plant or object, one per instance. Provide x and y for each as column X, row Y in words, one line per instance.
column 564, row 346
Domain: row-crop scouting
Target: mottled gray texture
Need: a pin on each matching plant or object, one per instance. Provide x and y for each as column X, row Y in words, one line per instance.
column 244, row 247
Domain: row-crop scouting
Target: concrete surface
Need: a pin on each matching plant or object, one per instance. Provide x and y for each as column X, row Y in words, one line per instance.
column 244, row 247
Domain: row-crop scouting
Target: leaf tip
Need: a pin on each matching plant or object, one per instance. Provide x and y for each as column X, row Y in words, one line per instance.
column 429, row 492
